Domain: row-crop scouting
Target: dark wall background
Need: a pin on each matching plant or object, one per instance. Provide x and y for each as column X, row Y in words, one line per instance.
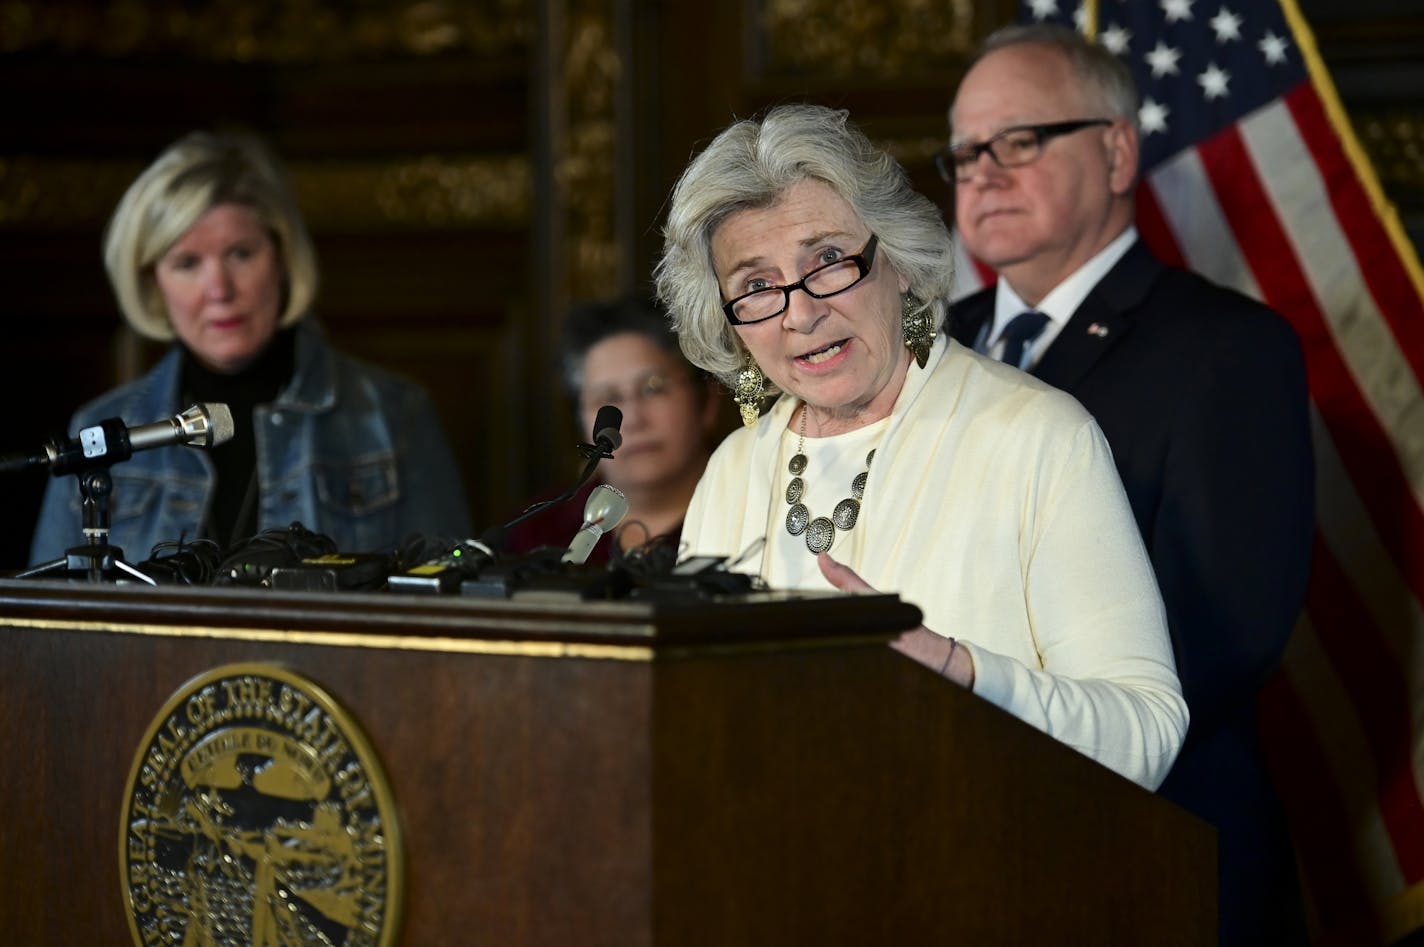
column 470, row 168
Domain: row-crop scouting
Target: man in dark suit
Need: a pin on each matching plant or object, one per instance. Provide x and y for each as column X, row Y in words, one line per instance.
column 1200, row 391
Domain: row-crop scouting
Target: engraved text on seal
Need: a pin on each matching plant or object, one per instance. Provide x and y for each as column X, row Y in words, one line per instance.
column 256, row 814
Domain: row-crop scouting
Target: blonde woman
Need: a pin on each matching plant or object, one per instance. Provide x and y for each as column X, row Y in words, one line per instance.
column 208, row 251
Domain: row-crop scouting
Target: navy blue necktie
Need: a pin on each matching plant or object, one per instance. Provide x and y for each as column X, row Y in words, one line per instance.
column 1021, row 330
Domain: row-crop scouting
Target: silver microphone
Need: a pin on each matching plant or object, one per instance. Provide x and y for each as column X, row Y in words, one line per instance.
column 604, row 510
column 111, row 440
column 207, row 424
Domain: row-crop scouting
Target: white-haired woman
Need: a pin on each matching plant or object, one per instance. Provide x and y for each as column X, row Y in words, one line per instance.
column 798, row 260
column 208, row 250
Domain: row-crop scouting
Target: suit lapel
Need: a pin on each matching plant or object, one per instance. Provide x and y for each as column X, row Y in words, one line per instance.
column 968, row 315
column 1104, row 319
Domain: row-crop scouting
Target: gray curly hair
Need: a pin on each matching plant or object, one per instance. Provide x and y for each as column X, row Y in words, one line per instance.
column 750, row 165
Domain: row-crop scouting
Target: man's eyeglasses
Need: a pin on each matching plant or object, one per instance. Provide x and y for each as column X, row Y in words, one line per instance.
column 1011, row 148
column 823, row 281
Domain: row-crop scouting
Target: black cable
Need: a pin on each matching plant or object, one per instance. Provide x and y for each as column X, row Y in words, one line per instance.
column 251, row 561
column 183, row 562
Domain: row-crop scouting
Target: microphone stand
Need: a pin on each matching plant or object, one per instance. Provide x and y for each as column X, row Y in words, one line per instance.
column 593, row 453
column 97, row 559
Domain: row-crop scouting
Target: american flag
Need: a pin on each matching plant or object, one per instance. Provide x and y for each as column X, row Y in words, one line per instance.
column 1253, row 177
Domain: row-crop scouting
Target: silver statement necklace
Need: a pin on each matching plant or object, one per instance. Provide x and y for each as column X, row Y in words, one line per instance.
column 821, row 531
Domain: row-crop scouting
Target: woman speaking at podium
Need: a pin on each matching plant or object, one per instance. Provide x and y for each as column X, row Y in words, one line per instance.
column 799, row 262
column 208, row 250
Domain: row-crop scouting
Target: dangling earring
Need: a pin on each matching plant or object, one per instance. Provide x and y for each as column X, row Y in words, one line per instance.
column 749, row 391
column 915, row 322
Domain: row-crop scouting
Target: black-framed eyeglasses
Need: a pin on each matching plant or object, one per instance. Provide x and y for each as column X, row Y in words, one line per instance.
column 1011, row 148
column 835, row 277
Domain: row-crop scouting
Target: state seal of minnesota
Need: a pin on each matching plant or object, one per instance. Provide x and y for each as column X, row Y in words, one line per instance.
column 256, row 814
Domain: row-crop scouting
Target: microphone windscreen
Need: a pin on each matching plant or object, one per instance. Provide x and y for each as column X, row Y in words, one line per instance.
column 220, row 420
column 606, row 506
column 607, row 424
column 604, row 510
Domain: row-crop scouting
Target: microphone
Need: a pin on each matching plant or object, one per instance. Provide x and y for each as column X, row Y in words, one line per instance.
column 111, row 441
column 207, row 424
column 604, row 510
column 606, row 439
column 606, row 434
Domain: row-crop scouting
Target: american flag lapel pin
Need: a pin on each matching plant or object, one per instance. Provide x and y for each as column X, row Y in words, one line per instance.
column 1099, row 330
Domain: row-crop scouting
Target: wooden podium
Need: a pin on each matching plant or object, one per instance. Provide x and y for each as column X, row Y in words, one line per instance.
column 758, row 770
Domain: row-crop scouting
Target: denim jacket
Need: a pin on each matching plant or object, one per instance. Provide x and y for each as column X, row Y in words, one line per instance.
column 347, row 449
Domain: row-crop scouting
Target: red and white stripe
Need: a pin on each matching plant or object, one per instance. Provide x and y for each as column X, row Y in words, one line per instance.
column 1276, row 208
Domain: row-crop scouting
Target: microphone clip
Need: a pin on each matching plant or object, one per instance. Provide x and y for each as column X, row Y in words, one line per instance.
column 603, row 450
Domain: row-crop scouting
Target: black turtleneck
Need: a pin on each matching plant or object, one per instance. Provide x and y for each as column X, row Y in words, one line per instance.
column 234, row 511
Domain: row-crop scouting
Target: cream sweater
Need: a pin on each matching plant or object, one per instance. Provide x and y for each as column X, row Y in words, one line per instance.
column 994, row 506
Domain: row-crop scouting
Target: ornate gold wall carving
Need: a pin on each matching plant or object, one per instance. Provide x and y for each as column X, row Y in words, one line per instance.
column 278, row 31
column 584, row 166
column 430, row 193
column 886, row 38
column 61, row 193
column 1395, row 142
